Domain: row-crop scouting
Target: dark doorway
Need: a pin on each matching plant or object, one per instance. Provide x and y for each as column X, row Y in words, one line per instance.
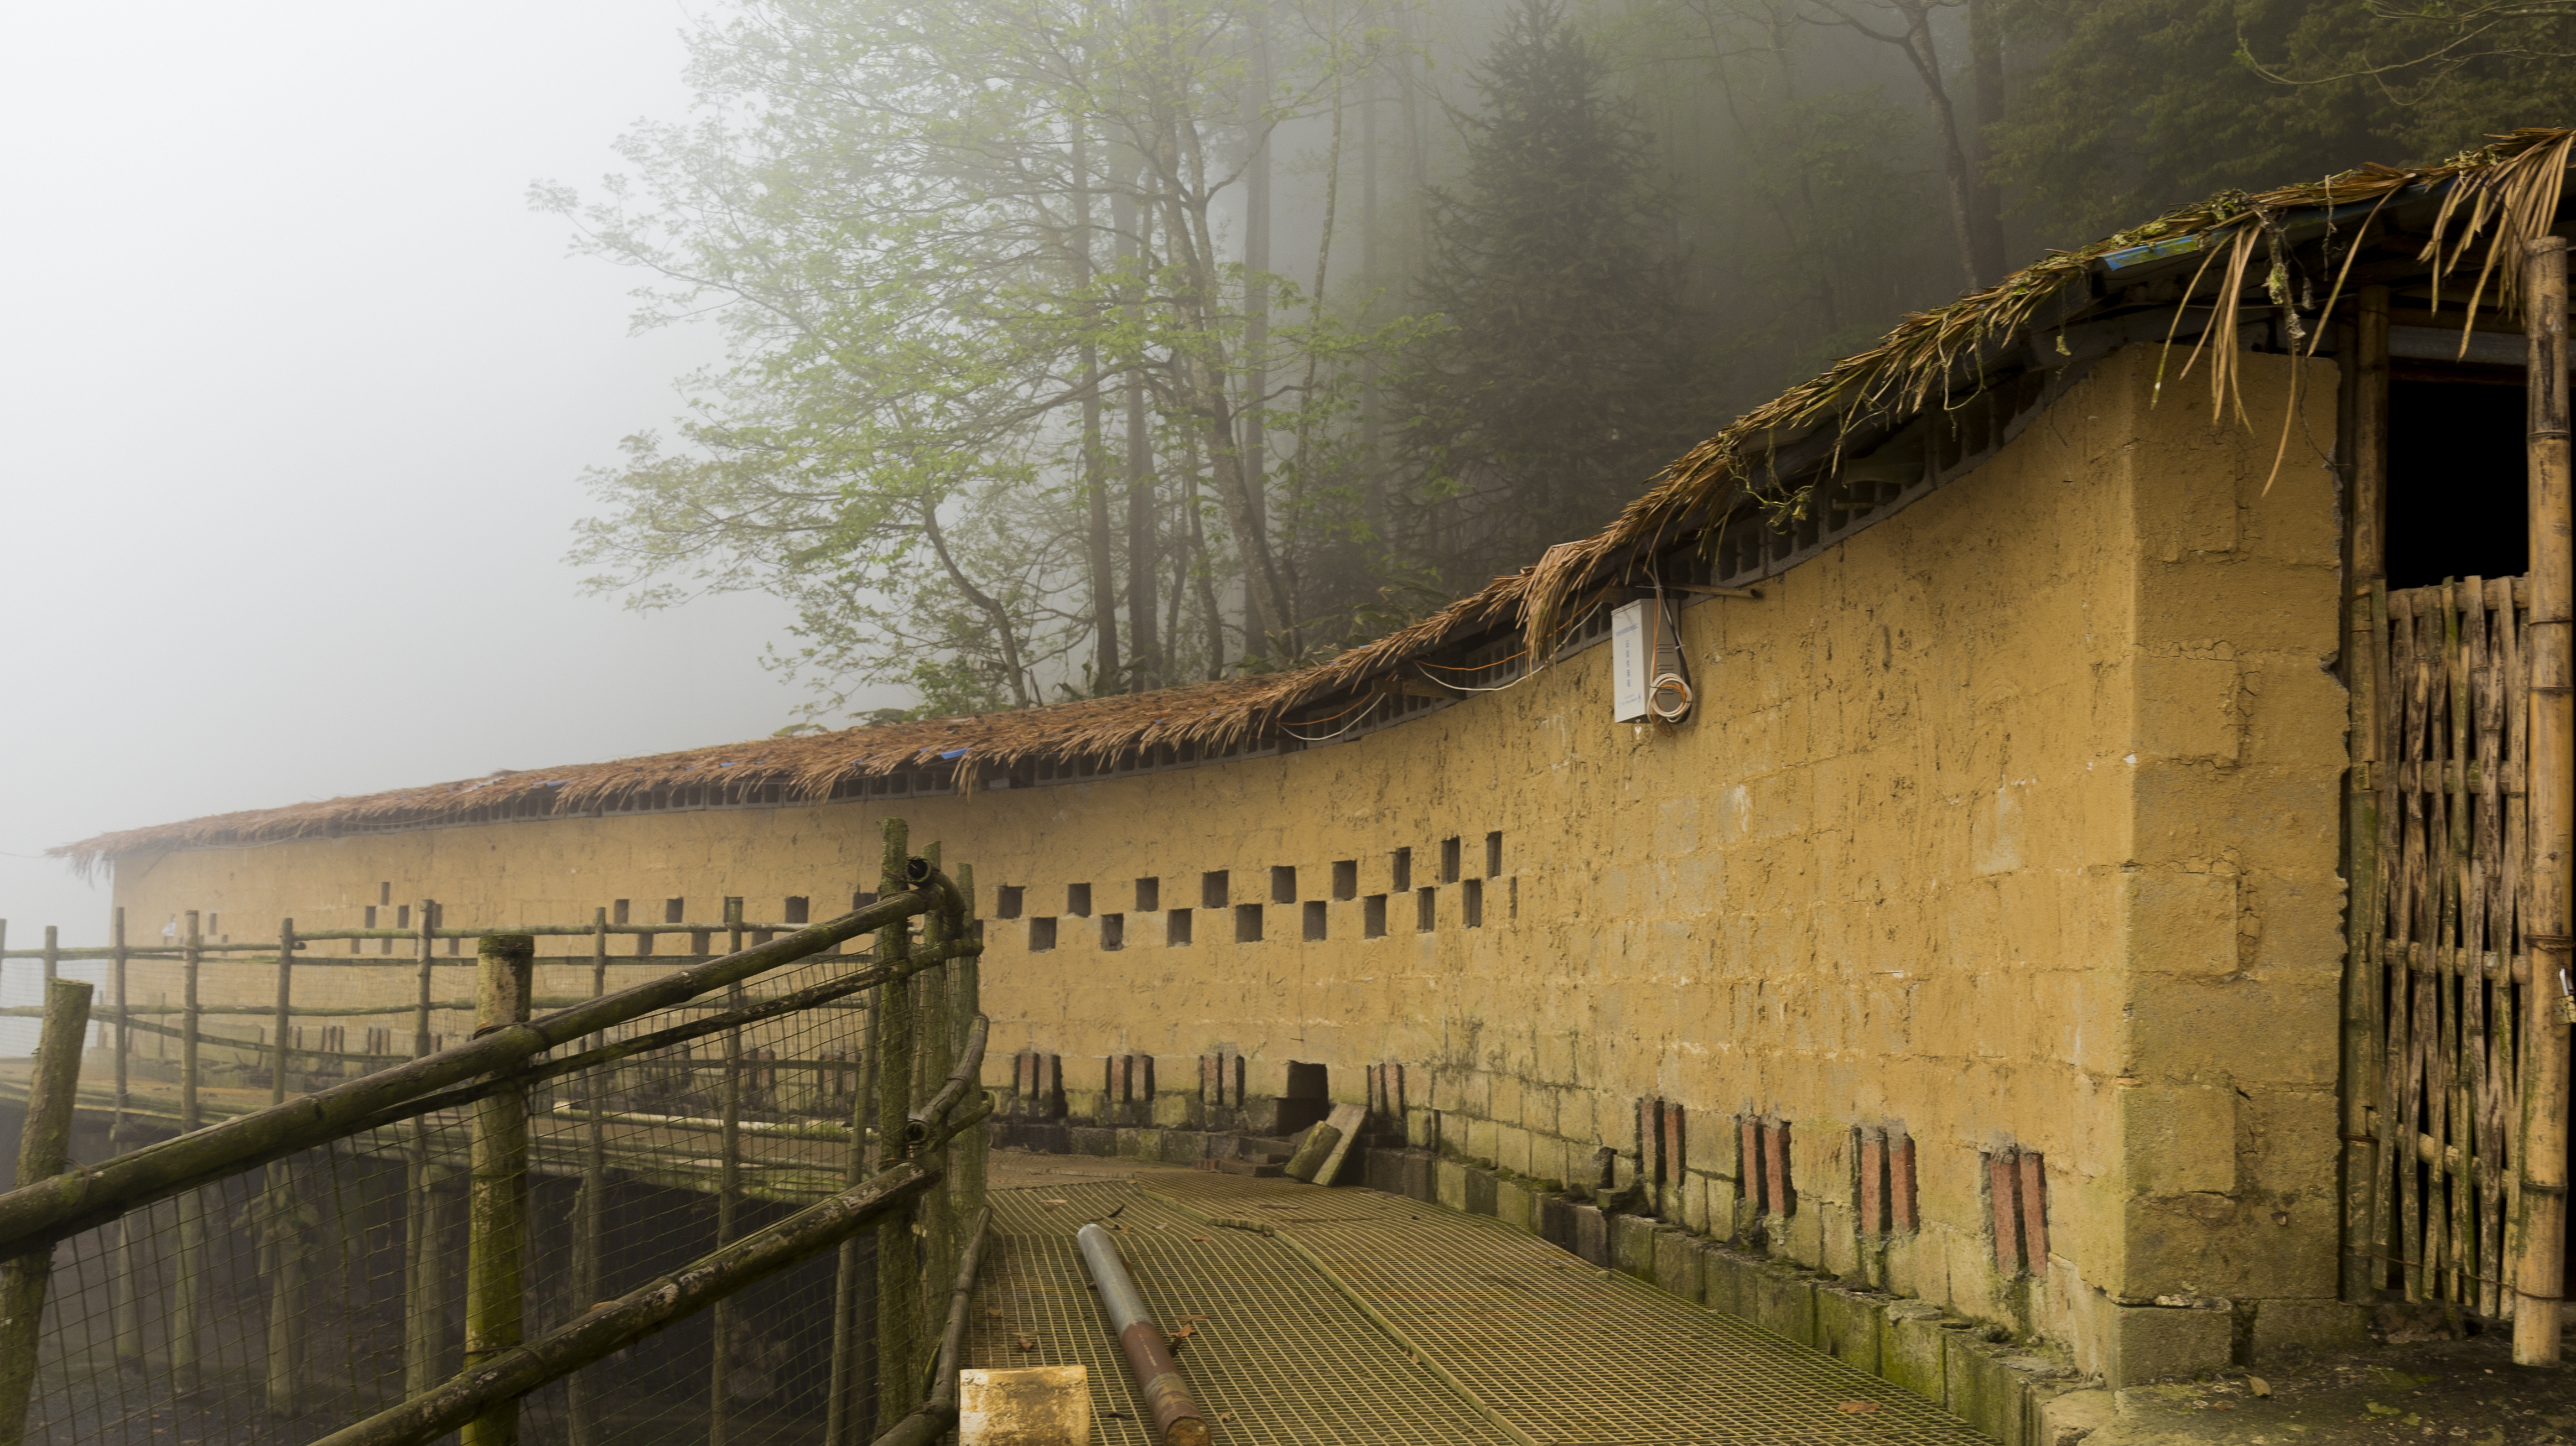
column 2456, row 496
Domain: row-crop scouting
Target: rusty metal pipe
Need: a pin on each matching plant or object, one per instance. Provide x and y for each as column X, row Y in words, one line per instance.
column 1158, row 1376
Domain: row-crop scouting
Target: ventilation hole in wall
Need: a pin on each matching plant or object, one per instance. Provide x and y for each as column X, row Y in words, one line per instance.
column 402, row 916
column 1077, row 900
column 1346, row 878
column 795, row 910
column 1426, row 910
column 1471, row 904
column 1247, row 923
column 371, row 916
column 1494, row 854
column 1176, row 927
column 1149, row 895
column 1113, row 931
column 385, row 893
column 1213, row 892
column 618, row 911
column 674, row 910
column 1449, row 861
column 1399, row 867
column 1006, row 905
column 1283, row 884
column 862, row 899
column 1373, row 917
column 1041, row 934
column 1315, row 921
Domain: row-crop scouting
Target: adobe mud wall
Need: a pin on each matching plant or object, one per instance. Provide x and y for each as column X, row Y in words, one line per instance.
column 2004, row 841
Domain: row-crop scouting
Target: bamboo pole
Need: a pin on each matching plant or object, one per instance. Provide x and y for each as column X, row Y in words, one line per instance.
column 968, row 1155
column 282, row 1243
column 53, row 955
column 2540, row 1273
column 853, row 1371
column 423, row 963
column 728, row 1190
column 590, row 1214
column 938, row 1056
column 2362, row 1026
column 497, row 1219
column 125, row 1309
column 898, row 1271
column 192, row 1282
column 44, row 1150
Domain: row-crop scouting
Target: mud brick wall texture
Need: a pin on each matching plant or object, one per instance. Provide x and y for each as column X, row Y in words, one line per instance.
column 1991, row 887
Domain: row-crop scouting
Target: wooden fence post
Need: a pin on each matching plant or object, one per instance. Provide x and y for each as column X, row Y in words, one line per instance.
column 44, row 1148
column 282, row 1242
column 125, row 1311
column 192, row 1282
column 968, row 976
column 853, row 1292
column 728, row 1183
column 2362, row 1027
column 590, row 1213
column 53, row 953
column 938, row 1056
column 424, row 1224
column 2540, row 1275
column 422, row 965
column 898, row 1273
column 496, row 1253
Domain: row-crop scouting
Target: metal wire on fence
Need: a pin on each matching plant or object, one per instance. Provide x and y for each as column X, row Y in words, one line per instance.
column 647, row 1216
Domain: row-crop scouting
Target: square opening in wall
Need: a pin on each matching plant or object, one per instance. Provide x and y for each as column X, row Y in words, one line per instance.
column 1471, row 903
column 1113, row 931
column 1283, row 884
column 1176, row 927
column 1426, row 909
column 1346, row 878
column 1494, row 854
column 795, row 910
column 617, row 912
column 674, row 910
column 1399, row 868
column 1373, row 917
column 1213, row 890
column 1041, row 934
column 1315, row 921
column 1008, row 901
column 371, row 917
column 1149, row 895
column 1449, row 861
column 402, row 916
column 1077, row 900
column 1247, row 923
column 385, row 892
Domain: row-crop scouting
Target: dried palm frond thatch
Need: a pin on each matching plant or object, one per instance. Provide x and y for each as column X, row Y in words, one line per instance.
column 2503, row 193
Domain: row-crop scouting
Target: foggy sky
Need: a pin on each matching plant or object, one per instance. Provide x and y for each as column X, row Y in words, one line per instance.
column 297, row 394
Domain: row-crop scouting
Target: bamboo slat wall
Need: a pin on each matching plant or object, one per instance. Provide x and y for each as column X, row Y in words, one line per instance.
column 2451, row 689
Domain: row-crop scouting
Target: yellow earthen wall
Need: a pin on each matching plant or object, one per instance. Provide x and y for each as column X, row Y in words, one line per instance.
column 2008, row 822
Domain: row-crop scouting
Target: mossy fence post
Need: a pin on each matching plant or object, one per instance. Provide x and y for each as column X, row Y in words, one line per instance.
column 185, row 1344
column 497, row 1220
column 898, row 1263
column 282, row 1237
column 590, row 1211
column 853, row 1292
column 44, row 1149
column 126, row 1312
column 728, row 1185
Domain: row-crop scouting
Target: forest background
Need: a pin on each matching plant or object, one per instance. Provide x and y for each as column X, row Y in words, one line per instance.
column 1094, row 346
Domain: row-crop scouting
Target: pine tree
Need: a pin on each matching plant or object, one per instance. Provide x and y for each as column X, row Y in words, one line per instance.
column 1564, row 374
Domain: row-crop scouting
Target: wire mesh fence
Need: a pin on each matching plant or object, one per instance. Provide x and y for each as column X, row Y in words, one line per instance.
column 291, row 1294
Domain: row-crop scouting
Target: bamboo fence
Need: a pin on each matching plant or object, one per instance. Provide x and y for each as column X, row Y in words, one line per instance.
column 289, row 1239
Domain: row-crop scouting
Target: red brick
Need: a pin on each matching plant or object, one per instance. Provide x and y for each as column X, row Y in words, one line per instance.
column 2034, row 1213
column 1873, row 1173
column 1900, row 1181
column 2001, row 1181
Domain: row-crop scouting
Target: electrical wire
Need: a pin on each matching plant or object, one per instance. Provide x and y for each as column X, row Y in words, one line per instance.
column 1362, row 708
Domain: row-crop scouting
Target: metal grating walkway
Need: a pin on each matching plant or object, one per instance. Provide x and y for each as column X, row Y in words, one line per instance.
column 1567, row 1354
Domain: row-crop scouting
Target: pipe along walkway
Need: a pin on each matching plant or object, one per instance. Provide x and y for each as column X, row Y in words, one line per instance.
column 1366, row 1317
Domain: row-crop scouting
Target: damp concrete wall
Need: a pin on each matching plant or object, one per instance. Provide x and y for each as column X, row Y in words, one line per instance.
column 2005, row 828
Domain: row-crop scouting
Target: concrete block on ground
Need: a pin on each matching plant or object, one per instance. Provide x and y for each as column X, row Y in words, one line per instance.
column 1184, row 1147
column 2310, row 1325
column 1514, row 1206
column 1677, row 1265
column 1784, row 1302
column 2149, row 1342
column 1092, row 1139
column 2068, row 1419
column 1980, row 1391
column 1592, row 1235
column 1480, row 1192
column 1554, row 1216
column 1911, row 1347
column 1177, row 1111
column 1725, row 1281
column 1632, row 1245
column 1452, row 1187
column 1847, row 1326
column 1420, row 1175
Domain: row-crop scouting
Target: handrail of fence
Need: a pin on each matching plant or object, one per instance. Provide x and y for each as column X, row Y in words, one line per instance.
column 250, row 1276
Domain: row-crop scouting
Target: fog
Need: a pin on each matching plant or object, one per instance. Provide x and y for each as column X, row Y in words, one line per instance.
column 297, row 396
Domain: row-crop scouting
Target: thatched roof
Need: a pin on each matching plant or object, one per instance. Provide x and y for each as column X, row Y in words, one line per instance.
column 2480, row 204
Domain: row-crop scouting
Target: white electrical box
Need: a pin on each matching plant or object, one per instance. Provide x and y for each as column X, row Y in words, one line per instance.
column 1644, row 641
